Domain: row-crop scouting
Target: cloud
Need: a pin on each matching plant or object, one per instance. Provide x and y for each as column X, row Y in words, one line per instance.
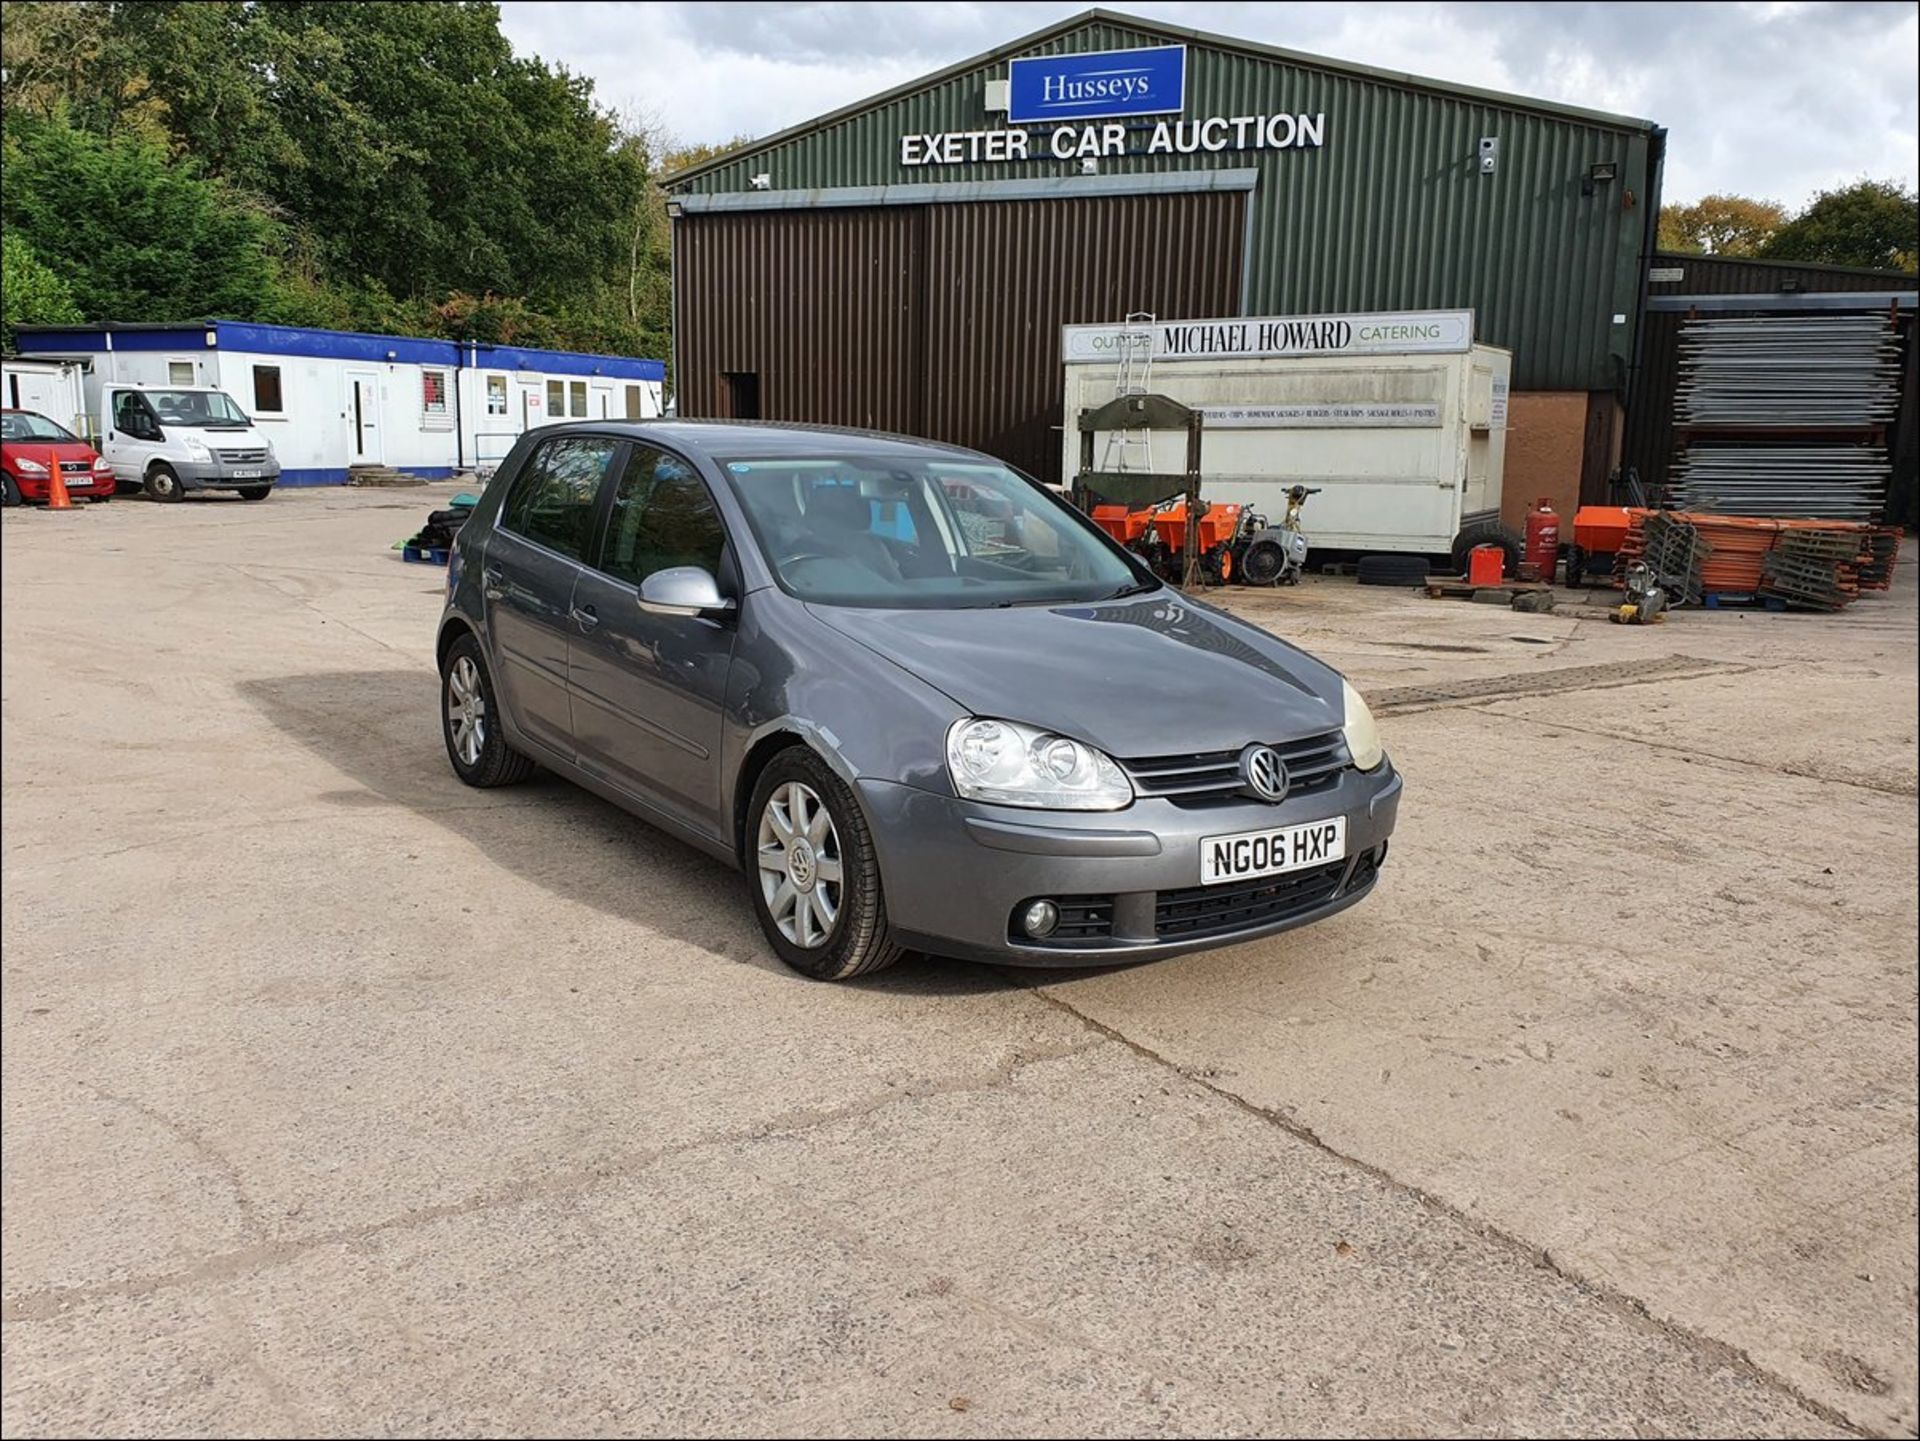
column 1776, row 100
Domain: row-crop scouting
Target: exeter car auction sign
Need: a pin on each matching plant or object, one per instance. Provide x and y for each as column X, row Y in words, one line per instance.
column 1050, row 93
column 1398, row 333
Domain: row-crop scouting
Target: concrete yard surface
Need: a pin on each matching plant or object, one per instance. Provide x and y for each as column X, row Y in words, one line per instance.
column 341, row 1099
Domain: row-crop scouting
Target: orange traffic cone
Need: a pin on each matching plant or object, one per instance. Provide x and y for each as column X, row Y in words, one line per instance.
column 57, row 497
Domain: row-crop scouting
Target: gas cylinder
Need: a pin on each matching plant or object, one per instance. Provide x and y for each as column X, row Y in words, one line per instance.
column 1542, row 551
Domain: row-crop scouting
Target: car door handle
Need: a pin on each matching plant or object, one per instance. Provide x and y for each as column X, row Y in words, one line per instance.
column 584, row 616
column 494, row 583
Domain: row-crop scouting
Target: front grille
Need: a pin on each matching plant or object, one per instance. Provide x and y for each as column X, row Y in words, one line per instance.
column 1219, row 910
column 1313, row 764
column 76, row 467
column 241, row 457
column 1082, row 919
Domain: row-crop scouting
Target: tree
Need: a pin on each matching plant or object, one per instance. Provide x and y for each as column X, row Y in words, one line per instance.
column 370, row 166
column 1720, row 225
column 30, row 293
column 1873, row 223
column 134, row 234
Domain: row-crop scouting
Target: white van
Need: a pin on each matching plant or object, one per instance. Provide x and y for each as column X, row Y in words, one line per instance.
column 171, row 439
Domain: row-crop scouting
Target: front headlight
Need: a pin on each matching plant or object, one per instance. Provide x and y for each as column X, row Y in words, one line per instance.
column 1017, row 765
column 1363, row 736
column 28, row 466
column 196, row 449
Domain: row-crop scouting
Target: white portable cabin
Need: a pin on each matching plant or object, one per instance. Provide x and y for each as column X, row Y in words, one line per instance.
column 333, row 399
column 1400, row 420
column 54, row 388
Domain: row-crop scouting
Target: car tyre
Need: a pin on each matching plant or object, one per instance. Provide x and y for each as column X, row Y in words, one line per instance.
column 9, row 492
column 255, row 492
column 164, row 484
column 824, row 914
column 469, row 721
column 1488, row 532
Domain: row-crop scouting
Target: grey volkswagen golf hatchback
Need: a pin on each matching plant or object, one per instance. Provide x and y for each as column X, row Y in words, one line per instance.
column 922, row 702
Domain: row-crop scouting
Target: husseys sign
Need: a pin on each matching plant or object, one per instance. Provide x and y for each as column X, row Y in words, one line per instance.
column 1046, row 94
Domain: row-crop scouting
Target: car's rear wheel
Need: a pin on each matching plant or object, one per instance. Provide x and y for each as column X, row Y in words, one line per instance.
column 813, row 874
column 163, row 484
column 469, row 719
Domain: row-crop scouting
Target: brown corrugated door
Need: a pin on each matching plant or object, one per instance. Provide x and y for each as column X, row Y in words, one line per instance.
column 938, row 320
column 816, row 314
column 1004, row 276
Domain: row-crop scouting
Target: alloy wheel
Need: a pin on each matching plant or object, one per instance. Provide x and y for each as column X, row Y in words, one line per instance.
column 466, row 711
column 798, row 856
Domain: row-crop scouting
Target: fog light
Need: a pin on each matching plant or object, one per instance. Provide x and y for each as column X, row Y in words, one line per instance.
column 1040, row 919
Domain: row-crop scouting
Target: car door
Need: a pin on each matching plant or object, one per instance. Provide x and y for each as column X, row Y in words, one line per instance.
column 133, row 435
column 648, row 690
column 531, row 565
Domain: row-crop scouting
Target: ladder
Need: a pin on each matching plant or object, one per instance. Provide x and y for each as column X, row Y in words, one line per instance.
column 1132, row 449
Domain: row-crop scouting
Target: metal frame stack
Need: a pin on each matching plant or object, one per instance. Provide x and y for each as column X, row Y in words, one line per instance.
column 1786, row 415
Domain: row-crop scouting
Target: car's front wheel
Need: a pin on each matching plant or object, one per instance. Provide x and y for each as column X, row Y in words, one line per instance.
column 469, row 718
column 813, row 874
column 255, row 492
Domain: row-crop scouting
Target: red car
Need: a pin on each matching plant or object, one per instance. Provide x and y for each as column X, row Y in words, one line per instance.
column 30, row 445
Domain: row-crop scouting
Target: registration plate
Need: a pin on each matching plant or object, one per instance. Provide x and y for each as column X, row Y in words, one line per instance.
column 78, row 480
column 1247, row 855
column 245, row 474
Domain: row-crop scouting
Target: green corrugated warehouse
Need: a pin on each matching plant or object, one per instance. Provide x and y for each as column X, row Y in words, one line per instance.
column 907, row 262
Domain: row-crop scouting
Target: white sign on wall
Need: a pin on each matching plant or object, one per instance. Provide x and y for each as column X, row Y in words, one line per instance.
column 1427, row 332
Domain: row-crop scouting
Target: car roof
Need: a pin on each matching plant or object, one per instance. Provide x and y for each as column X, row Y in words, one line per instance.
column 731, row 439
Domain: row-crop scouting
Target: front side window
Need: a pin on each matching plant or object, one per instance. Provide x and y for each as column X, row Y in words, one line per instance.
column 132, row 414
column 662, row 517
column 912, row 532
column 266, row 389
column 496, row 395
column 552, row 501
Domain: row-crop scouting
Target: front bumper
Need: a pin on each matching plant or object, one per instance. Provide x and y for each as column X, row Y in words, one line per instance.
column 954, row 871
column 217, row 474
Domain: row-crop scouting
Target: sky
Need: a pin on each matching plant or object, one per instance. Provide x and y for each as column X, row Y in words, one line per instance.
column 1772, row 100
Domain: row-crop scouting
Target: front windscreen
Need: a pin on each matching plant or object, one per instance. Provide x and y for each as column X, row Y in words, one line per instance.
column 195, row 407
column 927, row 533
column 31, row 425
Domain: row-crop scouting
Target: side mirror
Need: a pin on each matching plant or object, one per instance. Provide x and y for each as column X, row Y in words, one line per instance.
column 683, row 590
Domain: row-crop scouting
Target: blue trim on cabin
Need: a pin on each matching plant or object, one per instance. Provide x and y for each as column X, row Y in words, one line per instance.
column 333, row 344
column 566, row 362
column 264, row 339
column 325, row 475
column 185, row 338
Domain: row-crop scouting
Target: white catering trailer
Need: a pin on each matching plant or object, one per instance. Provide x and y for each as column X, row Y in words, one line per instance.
column 330, row 400
column 1400, row 420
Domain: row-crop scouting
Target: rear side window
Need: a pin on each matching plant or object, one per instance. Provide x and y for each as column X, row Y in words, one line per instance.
column 662, row 517
column 552, row 501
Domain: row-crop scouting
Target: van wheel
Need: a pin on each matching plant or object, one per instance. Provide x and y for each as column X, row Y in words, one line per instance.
column 812, row 873
column 163, row 484
column 470, row 721
column 255, row 492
